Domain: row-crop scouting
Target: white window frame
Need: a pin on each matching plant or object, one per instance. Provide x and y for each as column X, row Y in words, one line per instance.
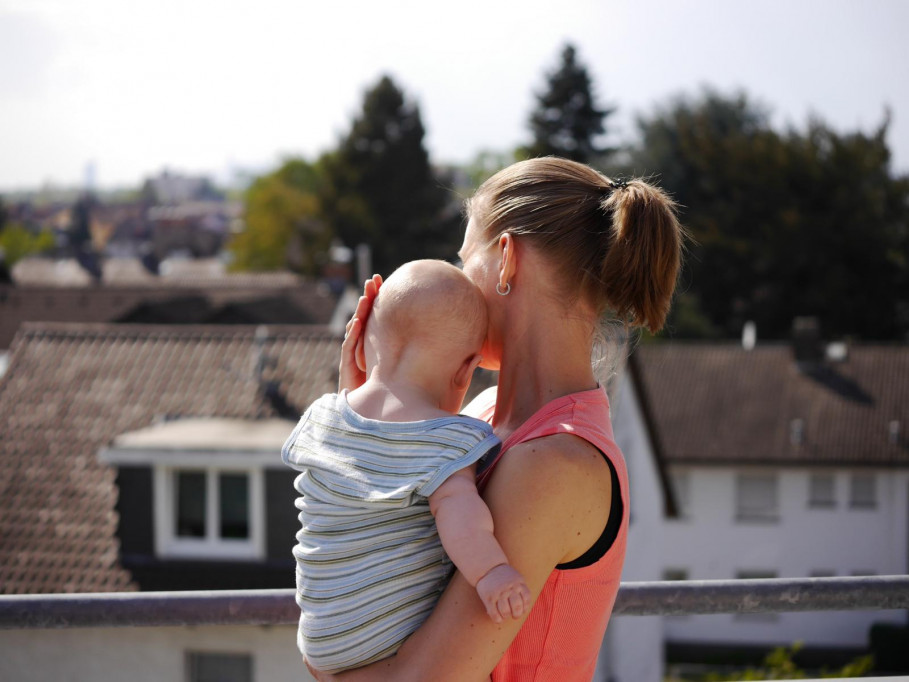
column 770, row 513
column 817, row 481
column 171, row 546
column 195, row 659
column 857, row 502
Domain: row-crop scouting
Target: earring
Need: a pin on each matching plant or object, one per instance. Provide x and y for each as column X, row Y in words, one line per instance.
column 505, row 291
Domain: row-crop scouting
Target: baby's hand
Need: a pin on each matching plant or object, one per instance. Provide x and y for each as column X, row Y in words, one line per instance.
column 504, row 593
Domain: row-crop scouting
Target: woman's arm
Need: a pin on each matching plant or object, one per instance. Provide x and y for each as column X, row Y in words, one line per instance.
column 549, row 500
column 352, row 373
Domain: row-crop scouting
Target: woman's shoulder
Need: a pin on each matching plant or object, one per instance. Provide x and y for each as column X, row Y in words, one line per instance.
column 550, row 483
column 558, row 455
column 563, row 464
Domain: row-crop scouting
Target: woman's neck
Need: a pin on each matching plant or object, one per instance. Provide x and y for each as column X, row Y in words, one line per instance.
column 543, row 362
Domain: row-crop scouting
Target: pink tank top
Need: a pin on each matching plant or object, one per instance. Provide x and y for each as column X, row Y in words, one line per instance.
column 562, row 635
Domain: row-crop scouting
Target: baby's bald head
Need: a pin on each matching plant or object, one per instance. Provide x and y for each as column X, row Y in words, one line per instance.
column 429, row 305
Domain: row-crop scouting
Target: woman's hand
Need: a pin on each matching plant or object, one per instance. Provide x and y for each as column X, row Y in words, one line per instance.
column 352, row 372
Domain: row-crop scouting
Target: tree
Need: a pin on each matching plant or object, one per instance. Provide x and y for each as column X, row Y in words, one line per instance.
column 785, row 223
column 284, row 225
column 380, row 188
column 485, row 164
column 17, row 242
column 567, row 121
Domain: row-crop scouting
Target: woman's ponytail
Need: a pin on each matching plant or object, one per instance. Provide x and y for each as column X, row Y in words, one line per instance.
column 615, row 243
column 641, row 262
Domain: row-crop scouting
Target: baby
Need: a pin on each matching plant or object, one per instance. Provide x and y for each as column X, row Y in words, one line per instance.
column 388, row 479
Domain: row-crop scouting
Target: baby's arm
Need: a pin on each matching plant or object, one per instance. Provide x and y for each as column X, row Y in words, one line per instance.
column 465, row 528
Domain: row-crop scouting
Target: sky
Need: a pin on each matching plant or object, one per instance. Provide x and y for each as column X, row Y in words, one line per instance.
column 117, row 91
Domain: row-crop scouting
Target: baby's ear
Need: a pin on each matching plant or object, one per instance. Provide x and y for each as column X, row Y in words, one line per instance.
column 464, row 374
column 360, row 352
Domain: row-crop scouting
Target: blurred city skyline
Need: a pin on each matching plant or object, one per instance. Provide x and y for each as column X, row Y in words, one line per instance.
column 110, row 93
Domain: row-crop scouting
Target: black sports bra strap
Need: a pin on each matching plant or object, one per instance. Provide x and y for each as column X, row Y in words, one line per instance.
column 610, row 532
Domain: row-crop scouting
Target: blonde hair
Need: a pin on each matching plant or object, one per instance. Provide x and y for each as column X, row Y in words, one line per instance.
column 616, row 244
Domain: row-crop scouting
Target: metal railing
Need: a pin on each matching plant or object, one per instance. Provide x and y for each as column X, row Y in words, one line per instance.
column 277, row 607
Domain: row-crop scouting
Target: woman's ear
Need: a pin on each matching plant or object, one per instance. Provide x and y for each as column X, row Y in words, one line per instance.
column 462, row 377
column 509, row 262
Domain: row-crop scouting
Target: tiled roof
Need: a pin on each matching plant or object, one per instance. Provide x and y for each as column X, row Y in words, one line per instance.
column 303, row 303
column 70, row 389
column 723, row 404
column 39, row 271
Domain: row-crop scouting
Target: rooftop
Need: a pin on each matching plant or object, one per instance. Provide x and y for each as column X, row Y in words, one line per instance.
column 221, row 434
column 719, row 403
column 71, row 390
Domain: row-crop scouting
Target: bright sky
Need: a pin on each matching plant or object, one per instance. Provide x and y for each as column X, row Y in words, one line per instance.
column 133, row 86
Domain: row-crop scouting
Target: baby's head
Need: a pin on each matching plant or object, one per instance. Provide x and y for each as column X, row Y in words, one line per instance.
column 429, row 315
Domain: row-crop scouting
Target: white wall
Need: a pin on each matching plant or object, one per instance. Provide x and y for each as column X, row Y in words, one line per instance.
column 633, row 648
column 711, row 544
column 143, row 654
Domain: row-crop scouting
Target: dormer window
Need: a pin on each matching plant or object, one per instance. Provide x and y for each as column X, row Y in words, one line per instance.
column 207, row 484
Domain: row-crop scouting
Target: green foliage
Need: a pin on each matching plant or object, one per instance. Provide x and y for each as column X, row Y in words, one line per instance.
column 778, row 665
column 17, row 242
column 376, row 188
column 284, row 226
column 380, row 188
column 485, row 164
column 566, row 120
column 785, row 224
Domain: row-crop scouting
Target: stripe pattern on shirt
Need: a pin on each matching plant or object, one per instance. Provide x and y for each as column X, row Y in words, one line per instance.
column 370, row 565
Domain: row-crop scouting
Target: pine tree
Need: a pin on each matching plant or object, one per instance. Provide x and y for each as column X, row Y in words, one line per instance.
column 382, row 190
column 567, row 121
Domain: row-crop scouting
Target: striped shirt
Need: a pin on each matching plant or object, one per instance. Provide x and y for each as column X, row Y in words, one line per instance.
column 370, row 565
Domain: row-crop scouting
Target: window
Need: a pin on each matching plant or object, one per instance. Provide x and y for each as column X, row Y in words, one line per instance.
column 681, row 488
column 822, row 573
column 863, row 491
column 675, row 574
column 209, row 513
column 822, row 491
column 211, row 667
column 756, row 498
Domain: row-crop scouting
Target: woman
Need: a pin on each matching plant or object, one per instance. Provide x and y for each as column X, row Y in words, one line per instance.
column 553, row 245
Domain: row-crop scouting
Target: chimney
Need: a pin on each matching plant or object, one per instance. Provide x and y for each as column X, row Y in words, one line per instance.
column 796, row 431
column 364, row 263
column 837, row 351
column 749, row 335
column 806, row 341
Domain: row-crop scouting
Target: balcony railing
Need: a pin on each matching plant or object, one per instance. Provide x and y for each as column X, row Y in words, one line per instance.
column 277, row 607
